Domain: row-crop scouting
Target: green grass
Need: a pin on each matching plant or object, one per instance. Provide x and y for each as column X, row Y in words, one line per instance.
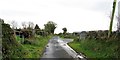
column 18, row 38
column 35, row 50
column 96, row 48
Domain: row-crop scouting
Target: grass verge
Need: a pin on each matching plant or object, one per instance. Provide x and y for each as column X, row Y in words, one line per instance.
column 36, row 48
column 97, row 48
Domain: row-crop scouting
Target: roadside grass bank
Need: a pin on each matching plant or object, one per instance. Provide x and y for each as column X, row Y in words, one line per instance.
column 97, row 48
column 34, row 46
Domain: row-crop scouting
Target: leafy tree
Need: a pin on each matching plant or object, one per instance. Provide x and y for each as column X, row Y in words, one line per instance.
column 50, row 27
column 36, row 26
column 37, row 29
column 64, row 30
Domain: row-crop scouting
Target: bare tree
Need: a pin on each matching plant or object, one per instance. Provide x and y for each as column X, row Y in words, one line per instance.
column 14, row 24
column 24, row 25
column 31, row 25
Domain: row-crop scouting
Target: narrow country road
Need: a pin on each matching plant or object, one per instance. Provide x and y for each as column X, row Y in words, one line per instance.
column 57, row 49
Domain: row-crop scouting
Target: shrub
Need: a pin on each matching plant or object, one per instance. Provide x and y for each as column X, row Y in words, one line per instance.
column 8, row 41
column 26, row 33
column 27, row 42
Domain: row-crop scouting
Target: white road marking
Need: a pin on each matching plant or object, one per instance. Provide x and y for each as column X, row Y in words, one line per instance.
column 68, row 49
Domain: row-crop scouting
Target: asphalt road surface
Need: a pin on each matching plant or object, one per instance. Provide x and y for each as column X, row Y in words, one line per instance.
column 55, row 50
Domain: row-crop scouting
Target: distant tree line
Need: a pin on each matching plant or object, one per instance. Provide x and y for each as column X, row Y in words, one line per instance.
column 29, row 30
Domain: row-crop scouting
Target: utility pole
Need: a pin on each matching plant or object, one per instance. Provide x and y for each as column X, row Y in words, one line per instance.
column 112, row 17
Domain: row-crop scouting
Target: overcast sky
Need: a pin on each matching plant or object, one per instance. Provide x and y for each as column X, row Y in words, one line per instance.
column 75, row 15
